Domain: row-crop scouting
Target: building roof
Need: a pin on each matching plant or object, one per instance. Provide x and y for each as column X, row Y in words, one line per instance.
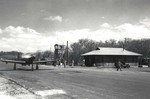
column 111, row 51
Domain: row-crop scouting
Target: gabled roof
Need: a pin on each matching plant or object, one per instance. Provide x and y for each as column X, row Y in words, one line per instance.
column 111, row 51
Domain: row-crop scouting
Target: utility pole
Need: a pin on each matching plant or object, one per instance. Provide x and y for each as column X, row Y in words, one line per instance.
column 124, row 42
column 67, row 54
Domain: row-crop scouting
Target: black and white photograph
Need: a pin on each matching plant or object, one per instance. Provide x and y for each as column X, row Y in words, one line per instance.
column 74, row 49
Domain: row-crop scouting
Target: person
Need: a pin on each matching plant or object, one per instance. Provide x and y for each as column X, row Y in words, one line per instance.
column 65, row 63
column 72, row 63
column 118, row 65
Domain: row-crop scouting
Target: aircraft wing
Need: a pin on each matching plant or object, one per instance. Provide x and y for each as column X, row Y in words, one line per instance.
column 42, row 61
column 12, row 61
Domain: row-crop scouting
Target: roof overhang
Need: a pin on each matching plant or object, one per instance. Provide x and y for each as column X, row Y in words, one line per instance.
column 111, row 52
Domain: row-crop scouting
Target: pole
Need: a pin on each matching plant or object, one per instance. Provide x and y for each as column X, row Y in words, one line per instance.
column 67, row 53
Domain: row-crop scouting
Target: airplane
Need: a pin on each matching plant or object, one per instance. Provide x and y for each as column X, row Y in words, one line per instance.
column 25, row 60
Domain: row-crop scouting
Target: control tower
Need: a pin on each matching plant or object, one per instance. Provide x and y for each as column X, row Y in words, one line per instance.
column 59, row 53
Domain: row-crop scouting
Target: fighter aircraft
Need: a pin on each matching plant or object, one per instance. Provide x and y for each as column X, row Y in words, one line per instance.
column 26, row 60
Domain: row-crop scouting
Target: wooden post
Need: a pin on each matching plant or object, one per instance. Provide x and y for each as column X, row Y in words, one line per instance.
column 67, row 54
column 14, row 66
column 32, row 67
column 37, row 67
column 148, row 62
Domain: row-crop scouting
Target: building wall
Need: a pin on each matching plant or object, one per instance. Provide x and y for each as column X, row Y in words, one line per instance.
column 133, row 64
column 109, row 61
column 113, row 64
column 105, row 64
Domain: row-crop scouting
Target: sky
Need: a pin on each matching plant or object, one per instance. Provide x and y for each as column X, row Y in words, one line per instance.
column 36, row 25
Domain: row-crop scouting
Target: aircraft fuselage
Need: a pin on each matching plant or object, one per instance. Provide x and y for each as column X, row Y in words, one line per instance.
column 28, row 61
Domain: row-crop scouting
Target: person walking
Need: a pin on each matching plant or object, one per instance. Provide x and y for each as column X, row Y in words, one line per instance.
column 118, row 65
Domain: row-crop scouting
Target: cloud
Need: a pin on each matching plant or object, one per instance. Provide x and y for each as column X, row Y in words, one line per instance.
column 29, row 40
column 14, row 32
column 105, row 25
column 54, row 18
column 106, row 32
column 24, row 39
column 0, row 31
column 103, row 17
column 72, row 35
column 133, row 31
column 145, row 21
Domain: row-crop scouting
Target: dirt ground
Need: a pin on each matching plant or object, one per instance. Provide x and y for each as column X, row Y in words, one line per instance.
column 73, row 83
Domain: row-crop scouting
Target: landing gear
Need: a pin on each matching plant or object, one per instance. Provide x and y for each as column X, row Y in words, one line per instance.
column 32, row 67
column 37, row 67
column 14, row 66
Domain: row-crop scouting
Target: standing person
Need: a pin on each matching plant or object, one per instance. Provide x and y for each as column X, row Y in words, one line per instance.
column 119, row 65
column 72, row 63
column 65, row 63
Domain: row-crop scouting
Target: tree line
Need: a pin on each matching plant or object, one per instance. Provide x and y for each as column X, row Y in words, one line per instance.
column 141, row 46
column 75, row 50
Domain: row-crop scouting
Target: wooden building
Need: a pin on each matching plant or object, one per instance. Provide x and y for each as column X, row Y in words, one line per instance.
column 104, row 56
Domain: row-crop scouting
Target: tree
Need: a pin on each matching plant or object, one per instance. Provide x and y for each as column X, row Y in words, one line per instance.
column 81, row 47
column 141, row 46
